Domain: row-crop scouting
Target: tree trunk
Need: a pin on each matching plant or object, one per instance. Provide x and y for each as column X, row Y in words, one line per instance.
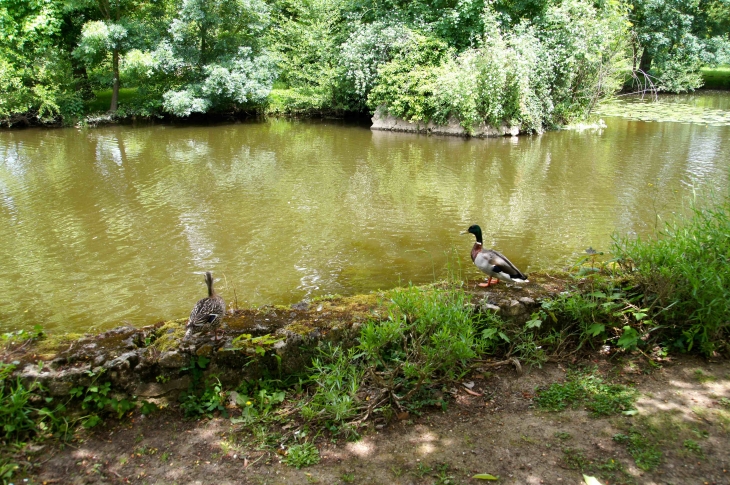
column 115, row 82
column 645, row 63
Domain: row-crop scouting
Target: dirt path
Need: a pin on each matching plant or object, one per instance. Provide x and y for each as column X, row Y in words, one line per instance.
column 682, row 428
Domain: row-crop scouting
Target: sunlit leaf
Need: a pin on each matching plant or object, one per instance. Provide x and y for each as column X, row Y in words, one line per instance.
column 485, row 476
column 591, row 480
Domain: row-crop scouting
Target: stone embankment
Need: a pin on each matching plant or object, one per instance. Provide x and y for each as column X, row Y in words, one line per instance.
column 154, row 361
column 382, row 121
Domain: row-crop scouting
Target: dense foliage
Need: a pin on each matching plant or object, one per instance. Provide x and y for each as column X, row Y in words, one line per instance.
column 532, row 63
column 685, row 277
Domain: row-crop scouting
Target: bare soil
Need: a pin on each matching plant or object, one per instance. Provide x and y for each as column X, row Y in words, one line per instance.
column 494, row 427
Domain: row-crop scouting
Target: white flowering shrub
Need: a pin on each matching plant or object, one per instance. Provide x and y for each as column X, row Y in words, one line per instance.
column 240, row 81
column 584, row 52
column 213, row 58
column 185, row 102
column 369, row 47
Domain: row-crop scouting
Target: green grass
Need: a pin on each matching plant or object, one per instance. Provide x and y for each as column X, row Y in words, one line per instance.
column 716, row 77
column 645, row 453
column 684, row 274
column 302, row 455
column 103, row 99
column 587, row 387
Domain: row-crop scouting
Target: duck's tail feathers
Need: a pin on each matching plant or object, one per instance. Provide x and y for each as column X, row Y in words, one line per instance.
column 514, row 279
column 189, row 331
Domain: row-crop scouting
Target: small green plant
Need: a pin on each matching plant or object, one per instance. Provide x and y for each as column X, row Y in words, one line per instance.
column 725, row 402
column 205, row 401
column 562, row 435
column 646, row 455
column 443, row 477
column 148, row 407
column 95, row 398
column 422, row 469
column 204, row 395
column 702, row 377
column 259, row 344
column 587, row 387
column 302, row 455
column 694, row 447
column 575, row 459
column 347, row 477
column 257, row 400
column 338, row 380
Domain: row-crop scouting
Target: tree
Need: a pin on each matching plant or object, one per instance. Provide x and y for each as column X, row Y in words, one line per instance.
column 112, row 33
column 213, row 57
column 673, row 39
column 36, row 81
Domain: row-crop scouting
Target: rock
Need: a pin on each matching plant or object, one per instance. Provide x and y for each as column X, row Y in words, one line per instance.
column 173, row 360
column 124, row 362
column 204, row 350
column 488, row 307
column 302, row 305
column 511, row 308
column 156, row 389
column 384, row 122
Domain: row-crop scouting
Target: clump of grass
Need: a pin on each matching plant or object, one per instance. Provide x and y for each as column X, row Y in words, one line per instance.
column 702, row 377
column 587, row 387
column 645, row 453
column 301, row 455
column 694, row 447
column 685, row 275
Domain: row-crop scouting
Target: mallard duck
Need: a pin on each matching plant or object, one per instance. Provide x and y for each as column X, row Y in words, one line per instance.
column 208, row 312
column 493, row 263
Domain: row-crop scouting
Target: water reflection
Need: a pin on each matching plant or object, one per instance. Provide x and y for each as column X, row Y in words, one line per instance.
column 111, row 225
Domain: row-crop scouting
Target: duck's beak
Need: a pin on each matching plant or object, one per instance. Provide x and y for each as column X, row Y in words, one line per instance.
column 463, row 232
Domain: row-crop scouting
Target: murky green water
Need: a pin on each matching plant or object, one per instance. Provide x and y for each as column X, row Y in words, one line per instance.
column 104, row 226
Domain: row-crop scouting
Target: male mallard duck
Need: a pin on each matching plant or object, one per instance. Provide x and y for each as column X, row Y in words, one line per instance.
column 493, row 263
column 208, row 312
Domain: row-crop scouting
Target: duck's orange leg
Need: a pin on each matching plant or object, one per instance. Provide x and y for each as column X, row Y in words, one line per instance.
column 486, row 285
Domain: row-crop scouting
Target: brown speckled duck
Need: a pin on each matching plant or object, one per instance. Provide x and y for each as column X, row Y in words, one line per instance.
column 208, row 312
column 494, row 264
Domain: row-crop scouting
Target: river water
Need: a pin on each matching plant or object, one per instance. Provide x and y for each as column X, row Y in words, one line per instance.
column 113, row 225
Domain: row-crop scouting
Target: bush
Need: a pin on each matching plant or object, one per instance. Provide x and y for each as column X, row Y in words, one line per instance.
column 405, row 84
column 548, row 72
column 428, row 337
column 685, row 274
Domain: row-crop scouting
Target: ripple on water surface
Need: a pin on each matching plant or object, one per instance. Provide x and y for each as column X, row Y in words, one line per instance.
column 104, row 226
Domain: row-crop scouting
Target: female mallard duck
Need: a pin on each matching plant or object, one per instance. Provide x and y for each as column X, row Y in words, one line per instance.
column 493, row 263
column 208, row 312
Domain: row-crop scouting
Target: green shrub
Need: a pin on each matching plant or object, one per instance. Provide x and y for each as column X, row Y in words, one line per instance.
column 405, row 84
column 685, row 274
column 338, row 376
column 538, row 74
column 428, row 337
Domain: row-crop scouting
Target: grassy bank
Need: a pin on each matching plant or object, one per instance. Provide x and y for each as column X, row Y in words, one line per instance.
column 658, row 296
column 716, row 77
